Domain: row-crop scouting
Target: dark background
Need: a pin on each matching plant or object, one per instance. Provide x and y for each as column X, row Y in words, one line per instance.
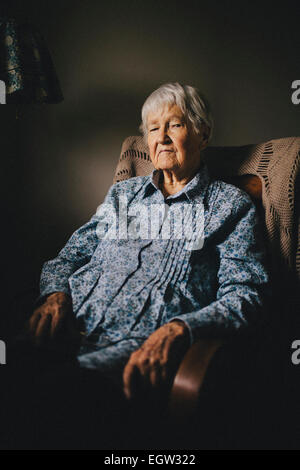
column 58, row 160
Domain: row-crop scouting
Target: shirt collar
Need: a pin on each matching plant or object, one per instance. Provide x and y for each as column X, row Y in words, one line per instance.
column 196, row 187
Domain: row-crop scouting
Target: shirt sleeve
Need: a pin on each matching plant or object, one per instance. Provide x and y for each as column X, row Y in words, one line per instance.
column 243, row 281
column 76, row 253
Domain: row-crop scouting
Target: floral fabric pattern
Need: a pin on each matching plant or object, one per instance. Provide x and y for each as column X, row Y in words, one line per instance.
column 123, row 290
column 26, row 66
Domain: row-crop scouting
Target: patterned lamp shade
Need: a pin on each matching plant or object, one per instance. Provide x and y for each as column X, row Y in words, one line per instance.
column 26, row 66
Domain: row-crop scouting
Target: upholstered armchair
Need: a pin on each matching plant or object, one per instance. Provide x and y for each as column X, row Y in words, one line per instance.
column 269, row 173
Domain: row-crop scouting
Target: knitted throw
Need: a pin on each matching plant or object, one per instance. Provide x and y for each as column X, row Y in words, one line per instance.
column 275, row 162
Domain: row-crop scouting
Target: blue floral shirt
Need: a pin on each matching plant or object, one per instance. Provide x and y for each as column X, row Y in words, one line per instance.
column 124, row 289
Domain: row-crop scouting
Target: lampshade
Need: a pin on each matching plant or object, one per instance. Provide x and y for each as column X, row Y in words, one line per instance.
column 26, row 66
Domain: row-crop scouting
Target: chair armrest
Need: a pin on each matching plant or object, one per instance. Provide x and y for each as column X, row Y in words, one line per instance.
column 189, row 378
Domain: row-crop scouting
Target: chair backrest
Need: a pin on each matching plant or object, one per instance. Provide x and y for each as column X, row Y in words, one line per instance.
column 269, row 172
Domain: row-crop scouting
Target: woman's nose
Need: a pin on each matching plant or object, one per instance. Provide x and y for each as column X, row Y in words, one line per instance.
column 163, row 136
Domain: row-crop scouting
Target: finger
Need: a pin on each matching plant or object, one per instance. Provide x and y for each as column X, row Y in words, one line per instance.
column 33, row 322
column 43, row 328
column 137, row 375
column 57, row 324
column 158, row 391
column 130, row 379
column 172, row 354
column 148, row 380
column 148, row 367
column 155, row 374
column 161, row 363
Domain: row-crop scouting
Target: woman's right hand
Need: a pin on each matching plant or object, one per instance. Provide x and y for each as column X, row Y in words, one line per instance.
column 53, row 320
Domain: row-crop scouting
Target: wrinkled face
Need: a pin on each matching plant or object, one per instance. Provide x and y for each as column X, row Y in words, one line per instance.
column 172, row 142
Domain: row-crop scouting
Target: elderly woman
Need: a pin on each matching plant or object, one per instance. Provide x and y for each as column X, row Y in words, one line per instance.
column 141, row 301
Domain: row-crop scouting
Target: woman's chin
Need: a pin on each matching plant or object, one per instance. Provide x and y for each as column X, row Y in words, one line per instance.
column 166, row 164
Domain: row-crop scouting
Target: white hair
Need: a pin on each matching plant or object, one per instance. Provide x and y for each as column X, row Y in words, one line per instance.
column 193, row 105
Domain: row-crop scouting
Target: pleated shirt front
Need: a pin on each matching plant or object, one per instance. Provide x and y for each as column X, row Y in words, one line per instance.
column 124, row 288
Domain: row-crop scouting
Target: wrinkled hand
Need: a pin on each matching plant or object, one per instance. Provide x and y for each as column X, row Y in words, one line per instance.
column 151, row 368
column 53, row 321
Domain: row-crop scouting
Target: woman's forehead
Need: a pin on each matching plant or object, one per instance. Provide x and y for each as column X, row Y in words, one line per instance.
column 164, row 111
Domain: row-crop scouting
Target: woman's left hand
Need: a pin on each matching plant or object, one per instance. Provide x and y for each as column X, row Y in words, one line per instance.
column 152, row 367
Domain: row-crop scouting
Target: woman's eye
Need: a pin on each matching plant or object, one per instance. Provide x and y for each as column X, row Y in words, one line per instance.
column 176, row 125
column 153, row 129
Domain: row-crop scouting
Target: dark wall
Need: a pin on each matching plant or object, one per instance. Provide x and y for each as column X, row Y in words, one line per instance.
column 58, row 160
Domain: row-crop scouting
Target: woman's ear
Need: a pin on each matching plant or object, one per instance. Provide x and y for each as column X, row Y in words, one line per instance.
column 205, row 131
